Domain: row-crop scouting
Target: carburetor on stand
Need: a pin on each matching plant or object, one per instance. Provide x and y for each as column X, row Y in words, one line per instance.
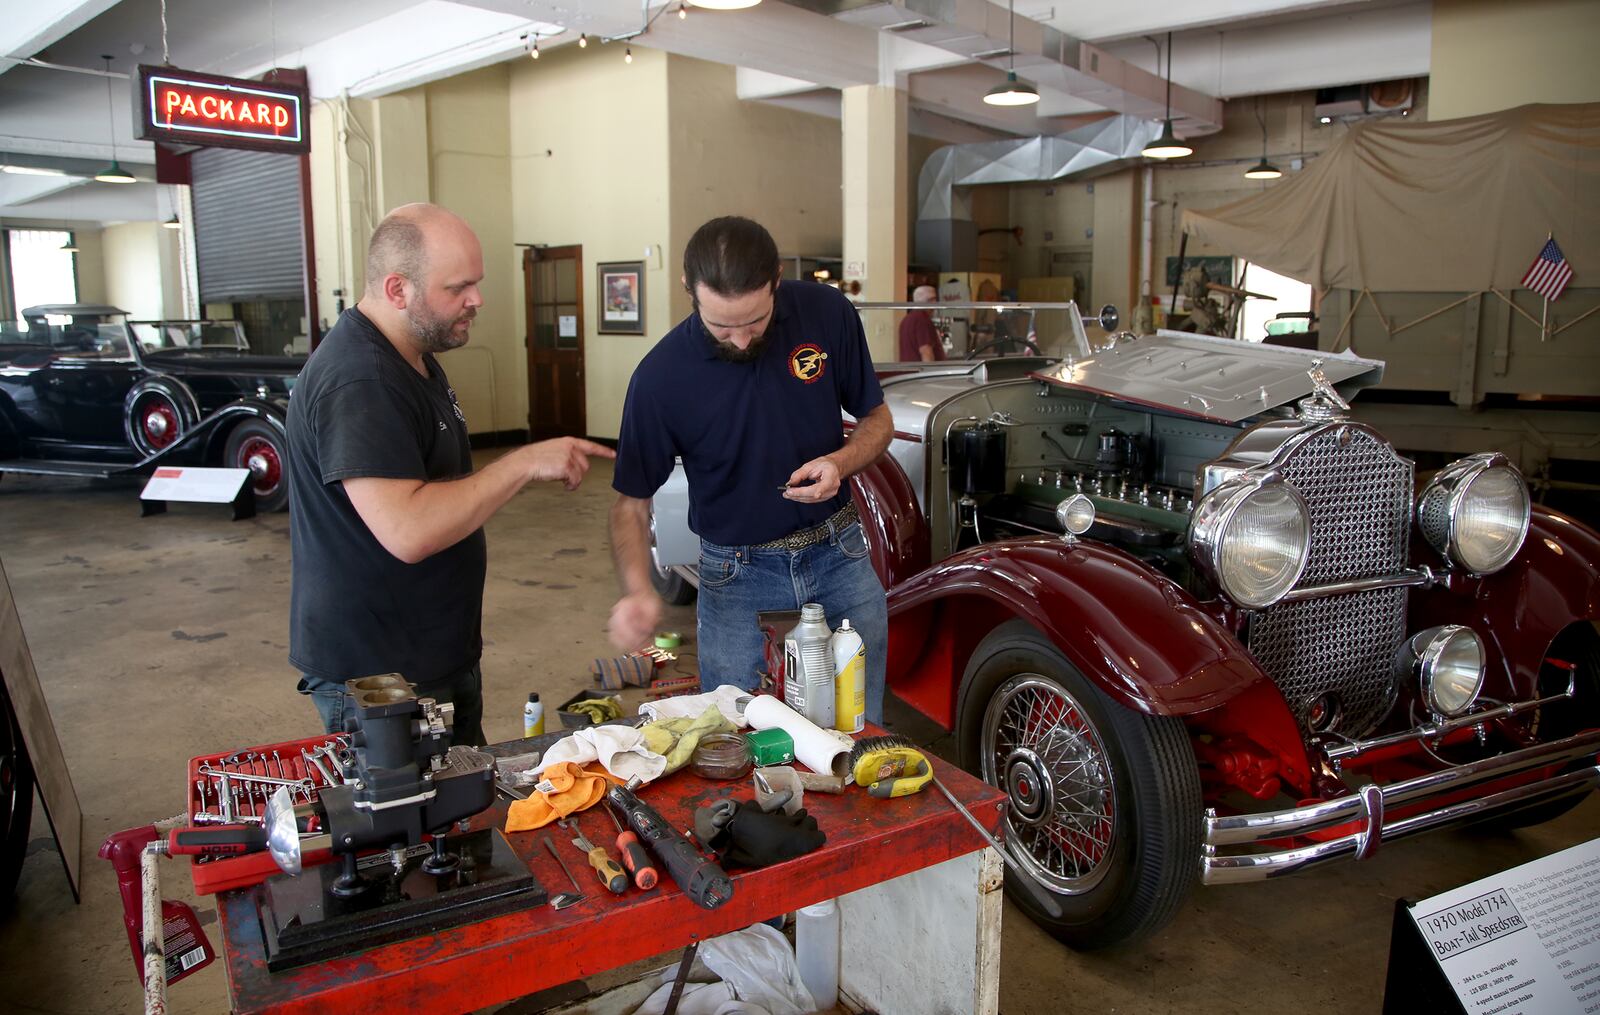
column 401, row 782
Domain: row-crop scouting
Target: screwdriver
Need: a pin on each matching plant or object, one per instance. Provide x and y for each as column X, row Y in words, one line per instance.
column 633, row 855
column 611, row 875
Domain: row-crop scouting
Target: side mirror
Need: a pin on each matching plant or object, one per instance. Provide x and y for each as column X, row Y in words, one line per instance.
column 1109, row 318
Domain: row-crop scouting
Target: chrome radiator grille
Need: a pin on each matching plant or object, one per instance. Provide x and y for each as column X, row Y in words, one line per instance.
column 1359, row 493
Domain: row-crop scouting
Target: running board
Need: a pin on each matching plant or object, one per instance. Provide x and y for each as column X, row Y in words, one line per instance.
column 51, row 467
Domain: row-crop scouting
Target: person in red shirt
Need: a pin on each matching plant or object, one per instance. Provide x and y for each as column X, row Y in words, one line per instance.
column 919, row 339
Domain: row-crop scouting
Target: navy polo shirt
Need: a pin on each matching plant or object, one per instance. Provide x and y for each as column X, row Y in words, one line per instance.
column 743, row 428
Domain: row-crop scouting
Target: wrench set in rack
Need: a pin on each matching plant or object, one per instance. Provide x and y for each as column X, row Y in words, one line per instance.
column 234, row 788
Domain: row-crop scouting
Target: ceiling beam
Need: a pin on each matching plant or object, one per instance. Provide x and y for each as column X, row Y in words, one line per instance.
column 31, row 25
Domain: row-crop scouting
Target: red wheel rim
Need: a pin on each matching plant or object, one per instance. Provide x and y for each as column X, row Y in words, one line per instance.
column 158, row 421
column 266, row 469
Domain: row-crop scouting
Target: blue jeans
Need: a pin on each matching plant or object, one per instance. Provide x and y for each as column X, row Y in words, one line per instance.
column 464, row 690
column 737, row 582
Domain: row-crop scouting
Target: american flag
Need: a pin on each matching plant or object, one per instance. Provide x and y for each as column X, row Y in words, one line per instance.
column 1550, row 272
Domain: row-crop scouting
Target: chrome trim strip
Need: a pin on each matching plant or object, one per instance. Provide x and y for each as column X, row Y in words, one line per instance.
column 1416, row 577
column 1228, row 870
column 1235, row 829
column 1352, row 748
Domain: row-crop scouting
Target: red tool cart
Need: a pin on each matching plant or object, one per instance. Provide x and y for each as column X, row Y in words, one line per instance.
column 918, row 889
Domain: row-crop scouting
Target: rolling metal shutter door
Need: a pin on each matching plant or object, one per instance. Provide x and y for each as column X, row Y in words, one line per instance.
column 247, row 225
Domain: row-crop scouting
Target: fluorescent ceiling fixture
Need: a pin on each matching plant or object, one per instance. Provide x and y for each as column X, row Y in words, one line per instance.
column 1012, row 93
column 32, row 171
column 725, row 5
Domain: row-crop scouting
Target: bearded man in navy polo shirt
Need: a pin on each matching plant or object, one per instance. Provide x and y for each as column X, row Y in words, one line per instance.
column 747, row 391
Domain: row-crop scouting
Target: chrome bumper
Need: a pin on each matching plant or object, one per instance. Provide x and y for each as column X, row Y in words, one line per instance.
column 1367, row 807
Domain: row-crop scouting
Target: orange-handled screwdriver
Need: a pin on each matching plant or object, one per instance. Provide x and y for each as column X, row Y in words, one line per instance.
column 611, row 875
column 633, row 855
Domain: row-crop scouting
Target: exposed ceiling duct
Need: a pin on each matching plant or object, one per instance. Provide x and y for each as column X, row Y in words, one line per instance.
column 1051, row 60
column 1022, row 160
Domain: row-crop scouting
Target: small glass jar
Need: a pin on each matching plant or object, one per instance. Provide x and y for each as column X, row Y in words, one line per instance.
column 721, row 756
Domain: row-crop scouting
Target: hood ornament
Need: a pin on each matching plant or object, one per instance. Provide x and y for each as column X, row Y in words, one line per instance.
column 1323, row 405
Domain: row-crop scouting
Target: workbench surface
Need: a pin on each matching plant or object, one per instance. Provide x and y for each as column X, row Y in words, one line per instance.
column 869, row 841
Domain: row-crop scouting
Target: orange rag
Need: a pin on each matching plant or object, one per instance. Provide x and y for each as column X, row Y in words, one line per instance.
column 571, row 789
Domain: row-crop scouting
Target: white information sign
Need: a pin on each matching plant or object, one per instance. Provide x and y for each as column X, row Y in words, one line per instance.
column 855, row 270
column 196, row 485
column 1526, row 940
column 567, row 326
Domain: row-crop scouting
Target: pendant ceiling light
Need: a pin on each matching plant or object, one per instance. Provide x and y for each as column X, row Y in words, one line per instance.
column 1013, row 92
column 69, row 247
column 113, row 173
column 1262, row 170
column 1167, row 145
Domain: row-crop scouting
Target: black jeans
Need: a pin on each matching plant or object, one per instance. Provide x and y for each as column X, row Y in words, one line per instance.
column 464, row 690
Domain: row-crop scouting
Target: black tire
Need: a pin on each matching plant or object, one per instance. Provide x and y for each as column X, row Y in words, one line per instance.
column 1135, row 861
column 16, row 800
column 1580, row 646
column 669, row 585
column 672, row 586
column 155, row 421
column 261, row 447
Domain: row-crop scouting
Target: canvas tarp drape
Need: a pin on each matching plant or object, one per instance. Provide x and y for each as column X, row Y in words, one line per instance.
column 1452, row 206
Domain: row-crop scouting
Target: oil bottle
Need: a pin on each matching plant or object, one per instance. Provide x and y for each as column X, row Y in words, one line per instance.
column 808, row 667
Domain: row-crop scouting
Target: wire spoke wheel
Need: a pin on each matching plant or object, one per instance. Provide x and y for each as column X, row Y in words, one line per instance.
column 1039, row 747
column 1103, row 801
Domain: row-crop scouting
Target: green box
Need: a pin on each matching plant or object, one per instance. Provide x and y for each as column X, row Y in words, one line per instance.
column 770, row 747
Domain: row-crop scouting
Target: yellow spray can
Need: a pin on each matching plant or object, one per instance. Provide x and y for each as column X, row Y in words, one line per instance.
column 850, row 679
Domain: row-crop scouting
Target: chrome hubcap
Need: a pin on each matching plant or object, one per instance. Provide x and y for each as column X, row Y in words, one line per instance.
column 156, row 424
column 1040, row 747
column 258, row 465
column 1029, row 786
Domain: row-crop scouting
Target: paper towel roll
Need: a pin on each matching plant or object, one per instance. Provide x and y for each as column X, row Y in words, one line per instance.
column 820, row 750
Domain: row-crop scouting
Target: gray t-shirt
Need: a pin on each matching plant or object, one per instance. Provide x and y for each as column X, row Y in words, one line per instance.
column 359, row 410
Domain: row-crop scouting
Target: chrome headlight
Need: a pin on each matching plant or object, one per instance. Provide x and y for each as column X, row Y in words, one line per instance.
column 1448, row 665
column 1251, row 536
column 1475, row 512
column 1075, row 514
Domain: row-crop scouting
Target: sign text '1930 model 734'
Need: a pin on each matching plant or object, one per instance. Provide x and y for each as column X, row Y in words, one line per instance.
column 1202, row 626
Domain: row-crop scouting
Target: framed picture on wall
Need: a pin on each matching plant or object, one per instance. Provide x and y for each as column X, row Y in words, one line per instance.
column 621, row 297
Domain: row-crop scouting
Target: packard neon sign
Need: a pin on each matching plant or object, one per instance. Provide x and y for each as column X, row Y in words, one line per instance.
column 203, row 109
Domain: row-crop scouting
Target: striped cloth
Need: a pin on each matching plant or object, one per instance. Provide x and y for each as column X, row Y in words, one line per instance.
column 1549, row 273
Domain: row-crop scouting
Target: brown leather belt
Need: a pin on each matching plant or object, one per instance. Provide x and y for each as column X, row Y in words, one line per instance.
column 814, row 535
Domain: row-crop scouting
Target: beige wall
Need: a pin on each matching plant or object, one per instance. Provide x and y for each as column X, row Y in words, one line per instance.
column 469, row 172
column 624, row 160
column 90, row 262
column 1490, row 55
column 727, row 157
column 603, row 185
column 137, row 256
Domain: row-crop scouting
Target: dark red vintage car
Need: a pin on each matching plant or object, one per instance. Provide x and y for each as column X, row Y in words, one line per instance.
column 1202, row 627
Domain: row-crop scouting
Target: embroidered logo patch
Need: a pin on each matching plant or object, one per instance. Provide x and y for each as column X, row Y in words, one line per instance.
column 806, row 362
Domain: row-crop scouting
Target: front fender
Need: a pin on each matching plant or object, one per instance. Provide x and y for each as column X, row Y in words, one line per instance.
column 896, row 531
column 1552, row 583
column 217, row 425
column 1137, row 634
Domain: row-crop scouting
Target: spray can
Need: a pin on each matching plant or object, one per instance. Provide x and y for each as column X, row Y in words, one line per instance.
column 808, row 667
column 849, row 679
column 533, row 716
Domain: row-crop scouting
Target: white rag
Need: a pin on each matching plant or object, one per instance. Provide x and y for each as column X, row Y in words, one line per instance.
column 692, row 706
column 620, row 749
column 759, row 977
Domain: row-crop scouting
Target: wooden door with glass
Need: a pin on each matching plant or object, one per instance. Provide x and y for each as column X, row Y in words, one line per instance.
column 553, row 284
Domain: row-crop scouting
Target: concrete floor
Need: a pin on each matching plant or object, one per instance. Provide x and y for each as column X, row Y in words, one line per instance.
column 162, row 638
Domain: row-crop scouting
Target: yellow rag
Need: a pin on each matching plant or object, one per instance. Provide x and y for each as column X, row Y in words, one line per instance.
column 676, row 739
column 564, row 788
